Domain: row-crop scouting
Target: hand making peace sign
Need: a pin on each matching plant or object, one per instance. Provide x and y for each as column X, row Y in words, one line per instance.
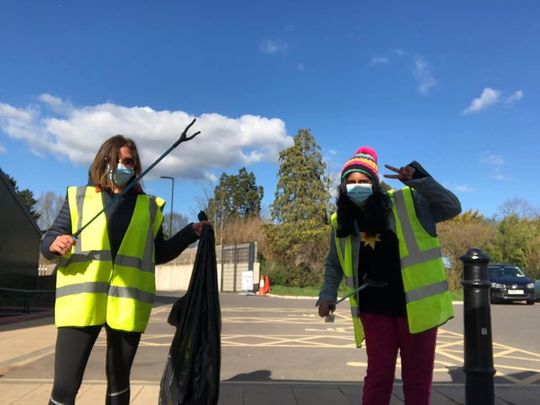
column 403, row 173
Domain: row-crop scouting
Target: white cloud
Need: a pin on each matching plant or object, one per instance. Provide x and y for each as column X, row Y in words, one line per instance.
column 379, row 60
column 514, row 97
column 2, row 149
column 488, row 97
column 270, row 46
column 76, row 133
column 421, row 70
column 491, row 159
column 464, row 188
column 496, row 165
column 422, row 73
column 501, row 177
column 289, row 28
column 50, row 99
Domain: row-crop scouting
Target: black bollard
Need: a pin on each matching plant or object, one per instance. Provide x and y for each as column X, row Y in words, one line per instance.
column 478, row 367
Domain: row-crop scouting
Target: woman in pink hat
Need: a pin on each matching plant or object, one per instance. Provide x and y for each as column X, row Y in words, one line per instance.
column 387, row 240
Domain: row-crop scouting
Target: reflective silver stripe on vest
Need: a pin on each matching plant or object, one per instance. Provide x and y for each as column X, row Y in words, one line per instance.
column 80, row 196
column 148, row 262
column 105, row 255
column 131, row 292
column 145, row 264
column 341, row 247
column 349, row 282
column 420, row 257
column 82, row 288
column 131, row 261
column 104, row 288
column 415, row 255
column 427, row 291
column 81, row 257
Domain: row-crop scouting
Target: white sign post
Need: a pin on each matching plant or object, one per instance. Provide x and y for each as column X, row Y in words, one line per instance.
column 247, row 283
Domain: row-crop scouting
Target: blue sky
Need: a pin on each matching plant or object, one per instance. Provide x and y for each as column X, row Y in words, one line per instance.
column 453, row 85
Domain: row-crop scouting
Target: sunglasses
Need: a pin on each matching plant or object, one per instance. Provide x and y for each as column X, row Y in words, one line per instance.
column 129, row 162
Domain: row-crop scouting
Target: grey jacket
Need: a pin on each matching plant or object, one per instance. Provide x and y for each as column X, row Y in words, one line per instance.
column 433, row 203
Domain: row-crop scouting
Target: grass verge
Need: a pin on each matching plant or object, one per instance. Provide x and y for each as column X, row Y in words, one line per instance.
column 312, row 291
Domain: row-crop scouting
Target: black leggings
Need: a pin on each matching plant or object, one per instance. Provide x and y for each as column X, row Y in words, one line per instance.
column 73, row 347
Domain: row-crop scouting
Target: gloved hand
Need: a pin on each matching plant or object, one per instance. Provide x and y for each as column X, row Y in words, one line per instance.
column 326, row 308
column 197, row 227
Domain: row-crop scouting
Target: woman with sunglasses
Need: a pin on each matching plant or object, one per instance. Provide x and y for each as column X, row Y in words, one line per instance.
column 105, row 278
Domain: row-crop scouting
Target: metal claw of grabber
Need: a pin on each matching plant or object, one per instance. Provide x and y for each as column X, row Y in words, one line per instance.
column 330, row 318
column 184, row 137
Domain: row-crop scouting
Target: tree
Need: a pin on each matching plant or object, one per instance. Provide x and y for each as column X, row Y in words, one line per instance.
column 235, row 197
column 49, row 205
column 299, row 227
column 458, row 235
column 243, row 230
column 178, row 222
column 517, row 242
column 519, row 208
column 518, row 236
column 26, row 196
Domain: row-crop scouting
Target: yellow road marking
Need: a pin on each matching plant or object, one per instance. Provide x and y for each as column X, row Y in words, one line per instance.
column 339, row 335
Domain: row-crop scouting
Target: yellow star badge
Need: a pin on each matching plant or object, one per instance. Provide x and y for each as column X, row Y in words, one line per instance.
column 370, row 240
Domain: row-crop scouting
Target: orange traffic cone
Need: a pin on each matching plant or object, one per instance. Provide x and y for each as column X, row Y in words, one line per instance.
column 266, row 285
column 262, row 290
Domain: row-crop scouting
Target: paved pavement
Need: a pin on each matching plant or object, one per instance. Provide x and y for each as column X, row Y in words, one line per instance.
column 282, row 364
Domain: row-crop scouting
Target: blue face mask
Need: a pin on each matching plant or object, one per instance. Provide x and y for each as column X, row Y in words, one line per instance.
column 122, row 175
column 359, row 193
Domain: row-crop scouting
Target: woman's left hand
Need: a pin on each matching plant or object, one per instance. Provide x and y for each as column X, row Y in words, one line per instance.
column 197, row 227
column 403, row 173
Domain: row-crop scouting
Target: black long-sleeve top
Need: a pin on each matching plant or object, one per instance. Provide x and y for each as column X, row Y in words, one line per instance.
column 118, row 217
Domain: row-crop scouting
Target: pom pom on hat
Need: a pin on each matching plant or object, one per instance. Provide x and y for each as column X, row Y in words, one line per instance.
column 363, row 161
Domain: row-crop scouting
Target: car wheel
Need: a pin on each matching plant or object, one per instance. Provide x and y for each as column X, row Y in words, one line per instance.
column 530, row 302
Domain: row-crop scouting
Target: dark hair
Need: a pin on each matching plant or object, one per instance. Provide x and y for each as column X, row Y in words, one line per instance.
column 109, row 153
column 371, row 218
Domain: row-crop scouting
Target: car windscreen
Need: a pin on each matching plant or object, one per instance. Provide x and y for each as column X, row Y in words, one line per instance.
column 505, row 271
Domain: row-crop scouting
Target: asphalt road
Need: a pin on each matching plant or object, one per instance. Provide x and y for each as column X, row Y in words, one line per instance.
column 283, row 339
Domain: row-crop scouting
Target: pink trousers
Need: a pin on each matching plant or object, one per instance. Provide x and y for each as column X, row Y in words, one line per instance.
column 385, row 335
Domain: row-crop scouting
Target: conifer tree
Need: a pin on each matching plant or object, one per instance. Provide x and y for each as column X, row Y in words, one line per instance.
column 299, row 225
column 235, row 197
column 26, row 196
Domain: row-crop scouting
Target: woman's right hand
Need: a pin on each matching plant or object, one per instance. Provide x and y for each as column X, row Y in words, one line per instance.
column 62, row 244
column 197, row 227
column 326, row 308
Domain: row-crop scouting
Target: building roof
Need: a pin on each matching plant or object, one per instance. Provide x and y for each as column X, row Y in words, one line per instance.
column 5, row 184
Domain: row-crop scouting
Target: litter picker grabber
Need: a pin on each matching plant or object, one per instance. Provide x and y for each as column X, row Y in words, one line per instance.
column 183, row 138
column 367, row 283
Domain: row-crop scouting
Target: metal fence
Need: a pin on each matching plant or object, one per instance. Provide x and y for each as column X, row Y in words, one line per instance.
column 234, row 263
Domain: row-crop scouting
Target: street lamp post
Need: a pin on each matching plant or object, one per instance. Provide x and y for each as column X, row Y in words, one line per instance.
column 172, row 199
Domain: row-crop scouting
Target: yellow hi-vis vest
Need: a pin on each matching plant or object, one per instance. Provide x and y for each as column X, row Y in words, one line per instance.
column 428, row 301
column 91, row 289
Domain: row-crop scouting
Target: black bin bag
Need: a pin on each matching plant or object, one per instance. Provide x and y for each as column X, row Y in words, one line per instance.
column 191, row 376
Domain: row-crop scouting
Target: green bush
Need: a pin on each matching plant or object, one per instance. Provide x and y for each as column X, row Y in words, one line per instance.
column 300, row 276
